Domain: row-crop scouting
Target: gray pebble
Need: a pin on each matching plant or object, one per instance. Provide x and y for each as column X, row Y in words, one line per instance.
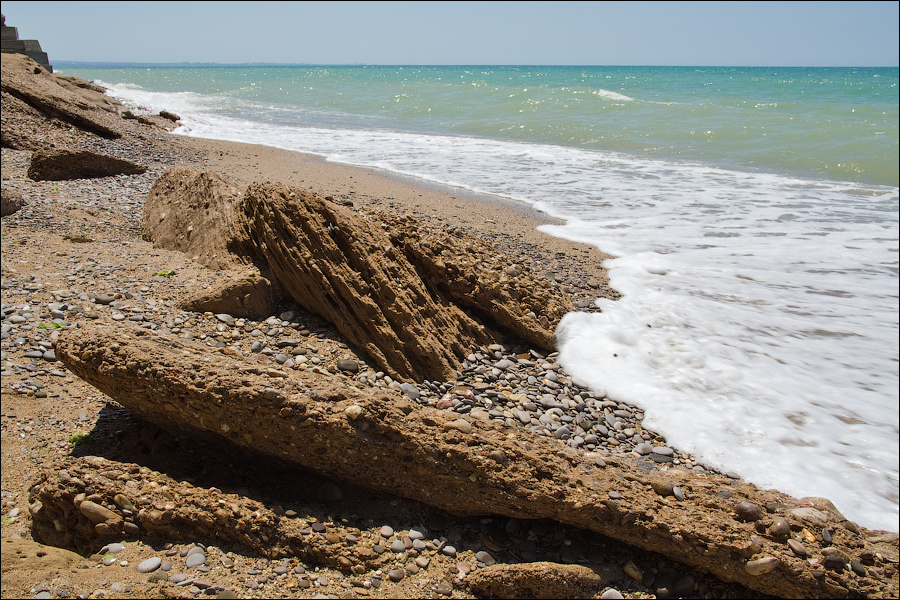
column 149, row 565
column 195, row 560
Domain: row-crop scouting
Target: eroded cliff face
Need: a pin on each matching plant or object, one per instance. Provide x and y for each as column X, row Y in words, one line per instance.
column 379, row 440
column 416, row 301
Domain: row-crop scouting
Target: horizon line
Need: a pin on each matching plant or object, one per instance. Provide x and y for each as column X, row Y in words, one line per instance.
column 276, row 64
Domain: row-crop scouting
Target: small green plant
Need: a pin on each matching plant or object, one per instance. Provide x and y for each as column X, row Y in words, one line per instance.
column 8, row 520
column 166, row 273
column 80, row 437
column 51, row 326
column 55, row 188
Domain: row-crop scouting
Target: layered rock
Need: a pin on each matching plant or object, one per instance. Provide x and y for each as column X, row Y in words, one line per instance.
column 377, row 439
column 57, row 164
column 28, row 90
column 414, row 301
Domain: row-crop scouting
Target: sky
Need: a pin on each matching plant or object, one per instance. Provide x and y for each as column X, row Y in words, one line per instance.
column 466, row 33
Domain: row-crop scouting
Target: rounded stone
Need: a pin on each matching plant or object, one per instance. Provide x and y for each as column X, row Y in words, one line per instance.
column 195, row 560
column 761, row 566
column 747, row 511
column 796, row 547
column 351, row 366
column 779, row 528
column 149, row 565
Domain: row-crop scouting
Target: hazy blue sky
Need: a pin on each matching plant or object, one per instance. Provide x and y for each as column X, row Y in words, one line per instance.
column 584, row 33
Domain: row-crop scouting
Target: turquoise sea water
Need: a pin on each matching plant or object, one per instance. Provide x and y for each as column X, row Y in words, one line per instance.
column 753, row 211
column 834, row 123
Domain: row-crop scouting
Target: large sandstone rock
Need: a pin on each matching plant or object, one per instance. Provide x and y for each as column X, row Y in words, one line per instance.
column 535, row 580
column 56, row 164
column 415, row 300
column 346, row 269
column 379, row 440
column 193, row 212
column 243, row 293
column 65, row 99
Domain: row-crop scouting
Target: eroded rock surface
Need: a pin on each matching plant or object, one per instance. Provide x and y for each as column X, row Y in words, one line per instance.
column 377, row 439
column 415, row 301
column 535, row 580
column 193, row 212
column 241, row 293
column 30, row 91
column 10, row 202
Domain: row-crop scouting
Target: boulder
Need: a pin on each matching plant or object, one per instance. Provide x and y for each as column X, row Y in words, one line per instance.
column 193, row 212
column 53, row 98
column 379, row 440
column 415, row 300
column 244, row 293
column 56, row 164
column 535, row 580
column 11, row 201
column 345, row 268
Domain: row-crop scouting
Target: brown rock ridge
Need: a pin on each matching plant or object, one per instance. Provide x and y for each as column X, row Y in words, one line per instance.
column 26, row 87
column 414, row 303
column 381, row 441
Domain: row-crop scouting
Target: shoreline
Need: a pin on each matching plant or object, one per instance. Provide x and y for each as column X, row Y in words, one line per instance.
column 118, row 261
column 244, row 162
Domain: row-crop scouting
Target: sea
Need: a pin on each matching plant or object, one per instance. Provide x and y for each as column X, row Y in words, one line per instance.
column 753, row 214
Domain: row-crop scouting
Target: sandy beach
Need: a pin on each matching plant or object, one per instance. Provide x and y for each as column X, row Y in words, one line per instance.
column 74, row 252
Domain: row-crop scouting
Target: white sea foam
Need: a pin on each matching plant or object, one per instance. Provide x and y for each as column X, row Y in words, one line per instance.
column 613, row 95
column 759, row 326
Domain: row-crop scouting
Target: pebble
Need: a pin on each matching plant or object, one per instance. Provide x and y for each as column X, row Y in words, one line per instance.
column 761, row 566
column 149, row 565
column 796, row 547
column 779, row 528
column 747, row 511
column 195, row 560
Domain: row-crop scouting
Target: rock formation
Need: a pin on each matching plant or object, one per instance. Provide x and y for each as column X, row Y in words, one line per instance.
column 243, row 293
column 535, row 580
column 32, row 97
column 377, row 439
column 194, row 213
column 56, row 164
column 12, row 201
column 414, row 301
